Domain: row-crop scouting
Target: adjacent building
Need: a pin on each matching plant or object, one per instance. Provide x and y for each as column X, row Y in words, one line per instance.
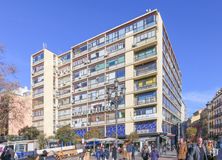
column 215, row 115
column 70, row 89
column 19, row 112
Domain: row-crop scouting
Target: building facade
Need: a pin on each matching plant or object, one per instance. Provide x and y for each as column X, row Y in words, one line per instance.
column 70, row 89
column 215, row 115
column 18, row 114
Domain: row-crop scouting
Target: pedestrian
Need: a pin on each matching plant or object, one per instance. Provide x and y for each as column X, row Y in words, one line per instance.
column 106, row 153
column 145, row 152
column 114, row 152
column 154, row 155
column 219, row 156
column 124, row 152
column 197, row 151
column 133, row 151
column 209, row 148
column 129, row 151
column 182, row 150
column 98, row 153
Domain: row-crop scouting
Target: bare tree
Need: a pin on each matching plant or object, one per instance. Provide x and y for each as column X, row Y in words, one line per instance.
column 10, row 105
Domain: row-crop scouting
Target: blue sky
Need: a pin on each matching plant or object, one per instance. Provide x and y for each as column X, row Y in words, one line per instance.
column 194, row 28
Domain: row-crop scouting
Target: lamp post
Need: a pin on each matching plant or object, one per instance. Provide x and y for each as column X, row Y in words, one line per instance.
column 114, row 95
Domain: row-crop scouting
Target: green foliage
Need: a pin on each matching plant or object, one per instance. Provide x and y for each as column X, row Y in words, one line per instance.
column 191, row 132
column 133, row 137
column 66, row 134
column 93, row 133
column 30, row 132
column 42, row 141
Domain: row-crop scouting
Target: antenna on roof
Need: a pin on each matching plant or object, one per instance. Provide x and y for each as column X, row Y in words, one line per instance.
column 44, row 45
column 148, row 10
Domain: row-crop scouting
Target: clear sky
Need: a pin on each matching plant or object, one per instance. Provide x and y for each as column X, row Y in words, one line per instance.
column 194, row 27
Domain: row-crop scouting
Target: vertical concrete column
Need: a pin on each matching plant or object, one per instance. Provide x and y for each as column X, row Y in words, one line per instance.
column 159, row 73
column 129, row 83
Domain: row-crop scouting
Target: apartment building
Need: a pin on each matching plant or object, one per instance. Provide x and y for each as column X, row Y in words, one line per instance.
column 19, row 112
column 71, row 88
column 215, row 115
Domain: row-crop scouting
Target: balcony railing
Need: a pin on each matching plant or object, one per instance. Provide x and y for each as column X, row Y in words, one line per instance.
column 144, row 71
column 137, row 58
column 36, row 118
column 145, row 101
column 139, row 88
column 145, row 116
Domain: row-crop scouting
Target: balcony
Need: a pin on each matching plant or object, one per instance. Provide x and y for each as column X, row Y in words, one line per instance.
column 116, row 66
column 37, row 95
column 37, row 73
column 63, row 117
column 112, row 54
column 120, row 120
column 96, row 85
column 144, row 56
column 64, row 84
column 144, row 71
column 63, row 73
column 145, row 87
column 145, row 117
column 96, row 123
column 145, row 42
column 39, row 106
column 37, row 118
column 148, row 100
column 80, row 101
column 63, row 63
column 81, row 89
column 65, row 105
column 38, row 84
column 37, row 62
column 96, row 72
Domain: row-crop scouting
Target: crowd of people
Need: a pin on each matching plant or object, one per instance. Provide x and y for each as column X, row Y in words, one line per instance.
column 127, row 151
column 199, row 150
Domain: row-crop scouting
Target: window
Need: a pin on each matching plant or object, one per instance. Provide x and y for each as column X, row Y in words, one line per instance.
column 38, row 57
column 79, row 61
column 95, row 43
column 120, row 73
column 144, row 36
column 145, row 83
column 37, row 68
column 80, row 85
column 115, row 61
column 96, row 55
column 38, row 79
column 97, row 67
column 145, row 111
column 80, row 73
column 145, row 53
column 80, row 49
column 115, row 47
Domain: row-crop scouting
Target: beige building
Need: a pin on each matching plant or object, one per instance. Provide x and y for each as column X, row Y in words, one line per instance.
column 23, row 104
column 71, row 88
column 19, row 112
column 215, row 116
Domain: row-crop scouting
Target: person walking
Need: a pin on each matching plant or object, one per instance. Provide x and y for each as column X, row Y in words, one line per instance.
column 145, row 152
column 210, row 150
column 114, row 152
column 154, row 154
column 197, row 151
column 182, row 150
column 133, row 151
column 129, row 151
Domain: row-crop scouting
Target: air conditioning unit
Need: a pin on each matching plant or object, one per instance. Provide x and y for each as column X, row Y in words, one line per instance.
column 79, row 89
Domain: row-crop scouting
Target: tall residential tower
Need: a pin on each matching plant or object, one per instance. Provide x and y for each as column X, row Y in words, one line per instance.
column 71, row 88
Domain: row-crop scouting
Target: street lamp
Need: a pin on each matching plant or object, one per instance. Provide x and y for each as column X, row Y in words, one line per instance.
column 114, row 95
